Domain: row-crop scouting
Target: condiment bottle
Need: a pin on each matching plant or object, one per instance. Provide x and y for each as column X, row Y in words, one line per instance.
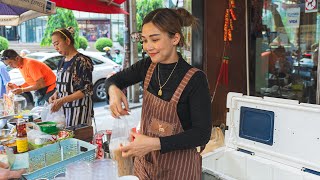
column 21, row 140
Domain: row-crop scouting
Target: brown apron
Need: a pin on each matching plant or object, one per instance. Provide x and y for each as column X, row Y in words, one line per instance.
column 159, row 119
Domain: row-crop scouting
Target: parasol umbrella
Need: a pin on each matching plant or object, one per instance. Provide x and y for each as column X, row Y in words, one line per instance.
column 12, row 15
column 97, row 6
column 41, row 6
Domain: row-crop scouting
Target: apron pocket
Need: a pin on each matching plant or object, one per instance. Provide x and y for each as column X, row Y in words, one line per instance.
column 161, row 128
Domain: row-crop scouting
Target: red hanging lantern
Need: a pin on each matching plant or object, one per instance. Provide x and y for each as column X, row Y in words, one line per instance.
column 225, row 71
column 229, row 17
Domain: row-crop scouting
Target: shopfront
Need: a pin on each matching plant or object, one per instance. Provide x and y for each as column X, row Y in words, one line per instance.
column 9, row 32
column 284, row 42
column 94, row 29
column 273, row 52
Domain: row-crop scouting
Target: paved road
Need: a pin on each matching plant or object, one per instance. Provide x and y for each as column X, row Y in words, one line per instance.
column 104, row 120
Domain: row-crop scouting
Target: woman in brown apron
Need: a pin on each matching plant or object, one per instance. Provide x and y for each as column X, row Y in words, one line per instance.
column 176, row 113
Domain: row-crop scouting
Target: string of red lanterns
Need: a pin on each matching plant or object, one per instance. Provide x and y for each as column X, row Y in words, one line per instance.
column 228, row 27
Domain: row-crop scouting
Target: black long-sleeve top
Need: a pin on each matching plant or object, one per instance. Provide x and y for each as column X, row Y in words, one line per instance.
column 194, row 107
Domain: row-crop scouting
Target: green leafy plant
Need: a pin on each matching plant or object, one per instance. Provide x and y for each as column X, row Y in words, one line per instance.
column 120, row 39
column 144, row 7
column 83, row 43
column 62, row 19
column 4, row 43
column 103, row 42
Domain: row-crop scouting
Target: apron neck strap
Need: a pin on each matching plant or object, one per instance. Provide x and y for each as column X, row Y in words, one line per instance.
column 149, row 75
column 176, row 96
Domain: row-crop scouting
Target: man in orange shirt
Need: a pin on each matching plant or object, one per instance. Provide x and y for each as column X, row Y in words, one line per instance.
column 37, row 75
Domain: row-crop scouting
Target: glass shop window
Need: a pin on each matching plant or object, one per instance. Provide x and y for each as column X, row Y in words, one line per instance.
column 284, row 45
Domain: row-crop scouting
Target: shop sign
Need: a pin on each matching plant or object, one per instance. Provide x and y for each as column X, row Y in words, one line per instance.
column 311, row 6
column 293, row 17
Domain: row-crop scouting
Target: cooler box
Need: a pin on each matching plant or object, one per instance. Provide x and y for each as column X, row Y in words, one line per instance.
column 267, row 139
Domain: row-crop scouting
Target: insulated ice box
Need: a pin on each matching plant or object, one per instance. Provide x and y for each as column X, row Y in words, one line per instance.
column 267, row 139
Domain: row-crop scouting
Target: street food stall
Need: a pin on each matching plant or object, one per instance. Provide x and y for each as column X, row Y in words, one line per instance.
column 39, row 142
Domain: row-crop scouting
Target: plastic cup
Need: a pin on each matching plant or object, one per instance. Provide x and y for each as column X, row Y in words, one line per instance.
column 78, row 171
column 104, row 169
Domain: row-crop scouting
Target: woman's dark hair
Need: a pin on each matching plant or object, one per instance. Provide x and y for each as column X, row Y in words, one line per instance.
column 65, row 33
column 171, row 21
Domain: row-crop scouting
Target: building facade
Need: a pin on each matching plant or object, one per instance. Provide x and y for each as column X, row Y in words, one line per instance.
column 95, row 25
column 92, row 26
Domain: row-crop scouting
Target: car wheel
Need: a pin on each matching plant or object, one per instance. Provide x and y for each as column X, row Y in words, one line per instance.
column 29, row 98
column 99, row 91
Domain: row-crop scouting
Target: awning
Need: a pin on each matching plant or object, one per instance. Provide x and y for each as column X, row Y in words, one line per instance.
column 41, row 6
column 6, row 20
column 14, row 12
column 13, row 16
column 97, row 6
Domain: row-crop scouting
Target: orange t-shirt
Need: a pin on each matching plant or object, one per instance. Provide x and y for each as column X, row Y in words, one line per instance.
column 32, row 70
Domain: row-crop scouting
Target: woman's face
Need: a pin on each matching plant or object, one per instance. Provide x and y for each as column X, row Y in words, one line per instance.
column 60, row 44
column 158, row 45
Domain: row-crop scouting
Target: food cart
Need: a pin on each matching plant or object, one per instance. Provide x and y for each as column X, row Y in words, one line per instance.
column 58, row 152
column 50, row 149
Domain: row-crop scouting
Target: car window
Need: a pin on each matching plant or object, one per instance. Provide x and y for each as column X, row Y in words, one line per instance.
column 35, row 57
column 96, row 61
column 53, row 62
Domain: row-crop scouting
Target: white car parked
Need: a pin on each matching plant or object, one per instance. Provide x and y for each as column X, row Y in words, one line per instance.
column 102, row 68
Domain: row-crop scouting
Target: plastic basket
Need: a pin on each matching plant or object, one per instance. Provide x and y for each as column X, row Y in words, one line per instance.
column 46, row 162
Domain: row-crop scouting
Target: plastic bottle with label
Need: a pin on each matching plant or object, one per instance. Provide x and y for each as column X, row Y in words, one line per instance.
column 21, row 138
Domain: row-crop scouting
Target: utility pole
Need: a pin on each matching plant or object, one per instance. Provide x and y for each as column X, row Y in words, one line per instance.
column 126, row 37
column 133, row 47
column 126, row 43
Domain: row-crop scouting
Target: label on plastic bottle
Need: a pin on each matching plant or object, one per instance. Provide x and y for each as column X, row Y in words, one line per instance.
column 22, row 145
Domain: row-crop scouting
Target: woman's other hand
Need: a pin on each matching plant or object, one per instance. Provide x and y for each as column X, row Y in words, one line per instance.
column 141, row 145
column 53, row 97
column 57, row 104
column 116, row 99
